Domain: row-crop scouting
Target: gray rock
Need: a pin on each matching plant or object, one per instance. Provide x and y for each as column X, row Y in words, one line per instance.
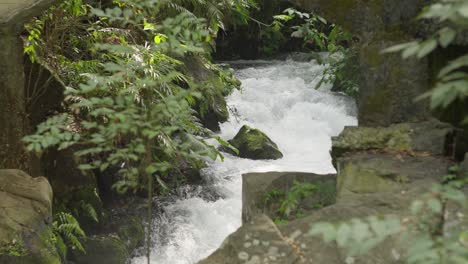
column 431, row 137
column 258, row 242
column 26, row 208
column 367, row 173
column 19, row 11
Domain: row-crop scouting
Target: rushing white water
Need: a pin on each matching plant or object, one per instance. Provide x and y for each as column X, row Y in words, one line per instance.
column 278, row 98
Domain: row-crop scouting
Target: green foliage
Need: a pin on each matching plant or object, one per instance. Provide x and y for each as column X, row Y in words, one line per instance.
column 288, row 202
column 130, row 105
column 13, row 249
column 316, row 33
column 273, row 195
column 452, row 81
column 341, row 71
column 67, row 233
column 297, row 193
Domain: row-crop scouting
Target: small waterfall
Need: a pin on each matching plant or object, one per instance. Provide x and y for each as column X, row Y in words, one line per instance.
column 279, row 98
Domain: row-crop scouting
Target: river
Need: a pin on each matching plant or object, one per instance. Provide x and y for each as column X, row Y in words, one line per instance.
column 279, row 98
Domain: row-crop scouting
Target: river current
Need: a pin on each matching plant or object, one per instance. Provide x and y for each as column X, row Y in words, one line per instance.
column 279, row 98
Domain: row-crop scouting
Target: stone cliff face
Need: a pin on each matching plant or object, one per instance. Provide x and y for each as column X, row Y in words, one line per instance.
column 388, row 83
column 14, row 118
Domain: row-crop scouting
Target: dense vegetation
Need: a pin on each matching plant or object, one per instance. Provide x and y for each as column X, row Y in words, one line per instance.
column 132, row 105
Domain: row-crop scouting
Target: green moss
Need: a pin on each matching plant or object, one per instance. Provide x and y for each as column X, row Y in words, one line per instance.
column 254, row 144
column 356, row 180
column 39, row 250
column 353, row 139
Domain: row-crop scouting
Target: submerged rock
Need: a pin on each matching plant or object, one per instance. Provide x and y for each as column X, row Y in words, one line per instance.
column 26, row 207
column 254, row 144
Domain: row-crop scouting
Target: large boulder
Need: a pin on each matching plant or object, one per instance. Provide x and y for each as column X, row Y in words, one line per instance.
column 13, row 98
column 13, row 13
column 26, row 208
column 430, row 137
column 254, row 144
column 259, row 241
column 258, row 187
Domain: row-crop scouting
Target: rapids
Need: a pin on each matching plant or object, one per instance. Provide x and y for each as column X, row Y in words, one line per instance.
column 279, row 98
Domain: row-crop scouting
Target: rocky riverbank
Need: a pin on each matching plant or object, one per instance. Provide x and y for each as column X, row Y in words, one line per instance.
column 376, row 175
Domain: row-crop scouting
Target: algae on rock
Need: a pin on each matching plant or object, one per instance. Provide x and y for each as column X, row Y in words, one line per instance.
column 254, row 144
column 430, row 137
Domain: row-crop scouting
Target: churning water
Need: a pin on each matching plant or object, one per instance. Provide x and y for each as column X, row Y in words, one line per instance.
column 279, row 98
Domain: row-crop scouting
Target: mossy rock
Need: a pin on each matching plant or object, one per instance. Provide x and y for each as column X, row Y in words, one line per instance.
column 102, row 249
column 373, row 173
column 254, row 144
column 431, row 137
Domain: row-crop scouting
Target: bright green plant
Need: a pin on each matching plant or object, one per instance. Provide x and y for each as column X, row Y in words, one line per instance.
column 15, row 248
column 342, row 72
column 288, row 202
column 67, row 233
column 314, row 30
column 297, row 193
